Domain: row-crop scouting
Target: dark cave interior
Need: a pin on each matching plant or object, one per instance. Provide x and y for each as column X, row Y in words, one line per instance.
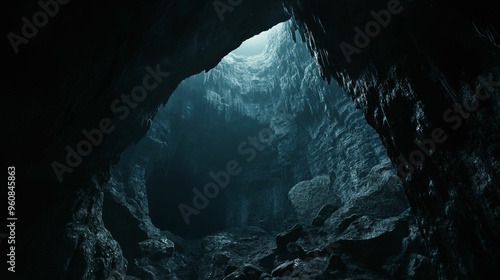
column 360, row 142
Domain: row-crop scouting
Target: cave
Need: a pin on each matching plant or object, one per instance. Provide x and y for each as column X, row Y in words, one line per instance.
column 285, row 139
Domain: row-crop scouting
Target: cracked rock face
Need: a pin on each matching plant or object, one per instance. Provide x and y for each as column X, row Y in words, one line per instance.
column 409, row 90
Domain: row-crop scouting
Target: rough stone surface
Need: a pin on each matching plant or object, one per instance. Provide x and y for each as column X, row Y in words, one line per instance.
column 308, row 196
column 408, row 91
column 156, row 247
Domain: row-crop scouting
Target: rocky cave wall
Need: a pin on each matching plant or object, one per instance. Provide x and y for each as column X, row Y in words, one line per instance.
column 77, row 66
column 412, row 79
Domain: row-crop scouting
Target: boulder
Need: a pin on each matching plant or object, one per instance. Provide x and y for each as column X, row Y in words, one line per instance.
column 307, row 197
column 156, row 247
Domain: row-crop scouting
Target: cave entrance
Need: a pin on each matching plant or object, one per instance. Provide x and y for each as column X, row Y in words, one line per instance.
column 230, row 145
column 256, row 44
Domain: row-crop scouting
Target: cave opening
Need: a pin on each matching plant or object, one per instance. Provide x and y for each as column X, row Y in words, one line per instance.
column 257, row 146
column 231, row 143
column 256, row 44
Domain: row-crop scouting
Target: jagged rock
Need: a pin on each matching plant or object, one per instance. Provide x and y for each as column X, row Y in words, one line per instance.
column 381, row 197
column 283, row 269
column 236, row 253
column 324, row 213
column 156, row 248
column 366, row 228
column 308, row 197
column 458, row 182
column 284, row 238
column 134, row 224
column 375, row 242
column 419, row 267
